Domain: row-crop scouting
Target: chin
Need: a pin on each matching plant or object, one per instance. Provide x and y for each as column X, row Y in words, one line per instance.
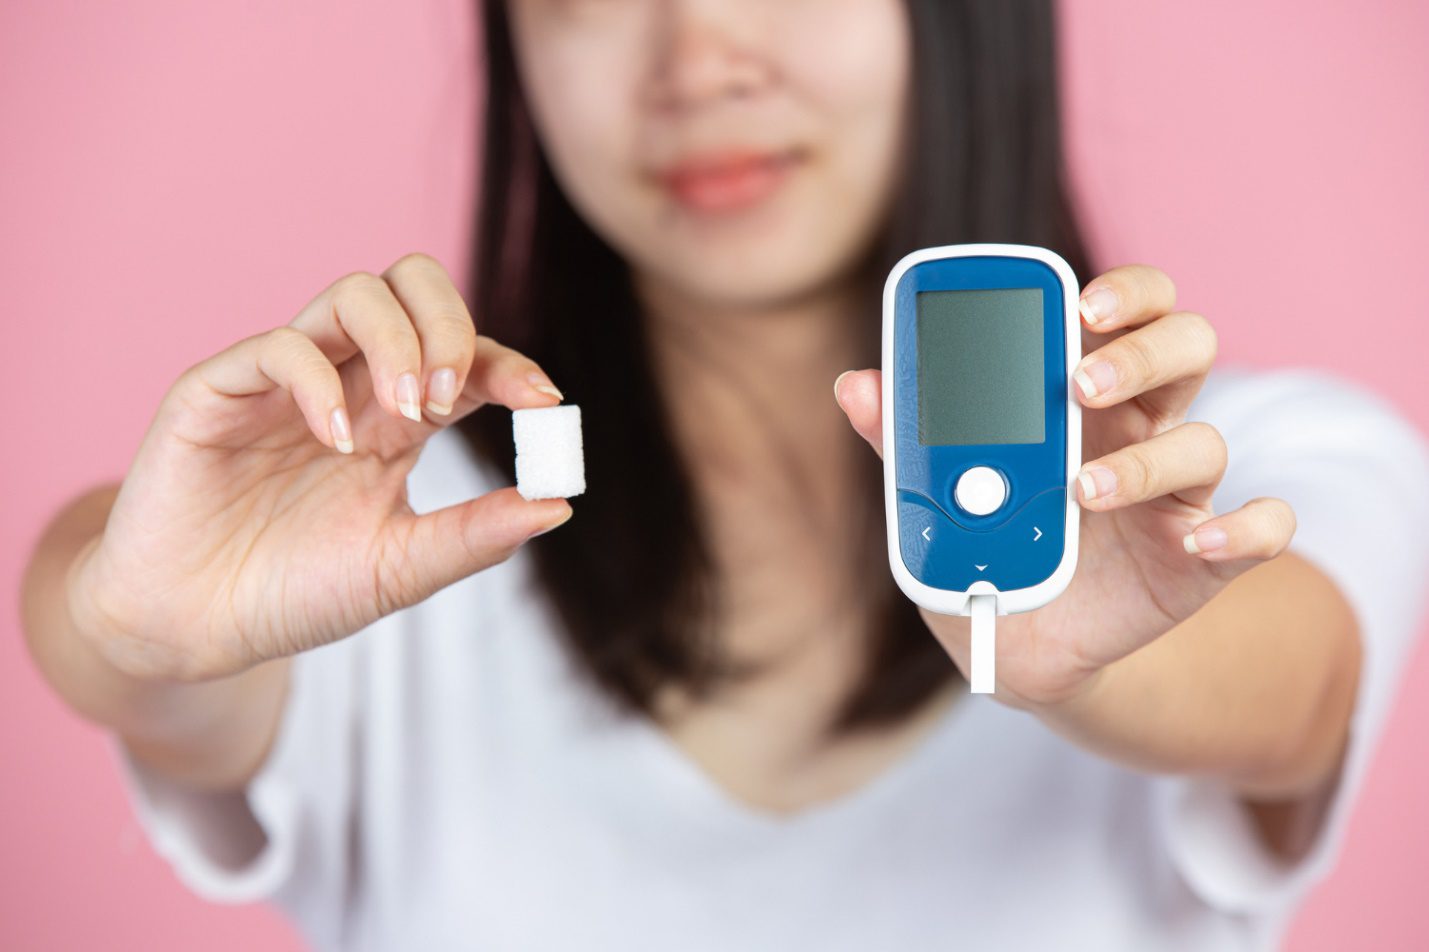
column 741, row 283
column 751, row 270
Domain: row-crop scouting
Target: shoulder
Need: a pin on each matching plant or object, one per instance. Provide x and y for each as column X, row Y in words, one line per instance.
column 1355, row 470
column 1332, row 441
column 1352, row 466
column 1312, row 426
column 1309, row 400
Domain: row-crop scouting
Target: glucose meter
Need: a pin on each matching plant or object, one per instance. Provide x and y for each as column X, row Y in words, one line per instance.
column 981, row 432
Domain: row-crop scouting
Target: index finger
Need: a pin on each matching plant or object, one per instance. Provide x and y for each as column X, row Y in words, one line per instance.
column 502, row 375
column 1126, row 296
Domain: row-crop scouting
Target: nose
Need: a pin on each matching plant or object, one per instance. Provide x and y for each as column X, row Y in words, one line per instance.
column 706, row 51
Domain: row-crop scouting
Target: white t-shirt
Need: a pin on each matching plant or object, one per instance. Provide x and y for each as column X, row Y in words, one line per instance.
column 448, row 779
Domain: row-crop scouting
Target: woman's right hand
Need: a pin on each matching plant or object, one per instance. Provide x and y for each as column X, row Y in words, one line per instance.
column 249, row 528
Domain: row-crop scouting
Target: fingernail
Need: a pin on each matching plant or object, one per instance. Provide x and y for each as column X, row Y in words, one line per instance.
column 1096, row 481
column 563, row 520
column 441, row 391
column 409, row 397
column 541, row 383
column 1094, row 378
column 341, row 430
column 1205, row 539
column 1098, row 305
column 837, row 381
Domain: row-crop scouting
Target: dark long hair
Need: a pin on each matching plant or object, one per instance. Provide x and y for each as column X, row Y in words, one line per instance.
column 631, row 576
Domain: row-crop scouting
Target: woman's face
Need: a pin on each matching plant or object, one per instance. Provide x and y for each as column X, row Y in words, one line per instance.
column 737, row 152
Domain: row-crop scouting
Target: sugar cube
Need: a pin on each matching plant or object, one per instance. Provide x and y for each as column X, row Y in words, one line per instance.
column 550, row 463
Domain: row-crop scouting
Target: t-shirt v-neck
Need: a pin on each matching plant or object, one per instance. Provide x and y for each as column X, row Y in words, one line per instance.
column 685, row 786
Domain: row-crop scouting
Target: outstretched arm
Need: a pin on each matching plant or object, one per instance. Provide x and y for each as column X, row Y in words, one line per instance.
column 1256, row 688
column 210, row 734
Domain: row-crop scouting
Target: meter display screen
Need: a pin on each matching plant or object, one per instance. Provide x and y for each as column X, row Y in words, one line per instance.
column 980, row 367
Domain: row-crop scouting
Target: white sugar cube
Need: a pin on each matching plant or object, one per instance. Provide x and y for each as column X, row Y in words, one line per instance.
column 550, row 463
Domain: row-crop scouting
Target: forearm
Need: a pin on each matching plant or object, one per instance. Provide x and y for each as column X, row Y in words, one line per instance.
column 1256, row 688
column 211, row 734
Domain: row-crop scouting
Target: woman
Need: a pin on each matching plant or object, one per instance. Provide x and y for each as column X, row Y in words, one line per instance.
column 700, row 715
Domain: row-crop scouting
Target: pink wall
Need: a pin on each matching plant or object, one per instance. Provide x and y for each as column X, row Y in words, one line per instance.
column 175, row 176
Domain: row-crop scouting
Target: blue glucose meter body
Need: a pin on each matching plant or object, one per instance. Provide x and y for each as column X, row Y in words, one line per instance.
column 981, row 433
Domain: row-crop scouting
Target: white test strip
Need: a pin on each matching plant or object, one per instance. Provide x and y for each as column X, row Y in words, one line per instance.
column 984, row 643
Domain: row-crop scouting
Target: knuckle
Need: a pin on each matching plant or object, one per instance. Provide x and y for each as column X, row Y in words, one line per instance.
column 1141, row 282
column 1210, row 439
column 1168, row 285
column 308, row 367
column 466, row 333
column 189, row 390
column 1120, row 282
column 296, row 349
column 1205, row 330
column 418, row 262
column 287, row 348
column 1283, row 516
column 1138, row 470
column 1274, row 524
column 456, row 352
column 285, row 340
column 359, row 287
column 1200, row 335
column 326, row 374
column 1136, row 357
column 450, row 329
column 358, row 279
column 478, row 549
column 188, row 378
column 1155, row 284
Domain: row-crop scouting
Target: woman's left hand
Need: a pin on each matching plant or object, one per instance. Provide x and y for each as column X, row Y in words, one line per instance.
column 1152, row 549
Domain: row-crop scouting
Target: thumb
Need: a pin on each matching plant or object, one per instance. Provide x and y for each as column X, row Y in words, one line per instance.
column 447, row 545
column 860, row 394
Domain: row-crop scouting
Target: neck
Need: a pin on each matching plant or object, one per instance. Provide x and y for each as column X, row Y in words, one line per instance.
column 747, row 384
column 750, row 393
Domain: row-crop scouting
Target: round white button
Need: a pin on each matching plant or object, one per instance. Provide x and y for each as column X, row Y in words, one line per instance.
column 980, row 491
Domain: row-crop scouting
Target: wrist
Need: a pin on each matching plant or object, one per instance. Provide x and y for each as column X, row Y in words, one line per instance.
column 98, row 632
column 1071, row 702
column 89, row 625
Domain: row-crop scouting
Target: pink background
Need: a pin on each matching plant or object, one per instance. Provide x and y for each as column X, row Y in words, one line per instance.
column 177, row 175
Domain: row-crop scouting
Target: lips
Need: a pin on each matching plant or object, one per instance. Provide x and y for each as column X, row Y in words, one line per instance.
column 727, row 181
